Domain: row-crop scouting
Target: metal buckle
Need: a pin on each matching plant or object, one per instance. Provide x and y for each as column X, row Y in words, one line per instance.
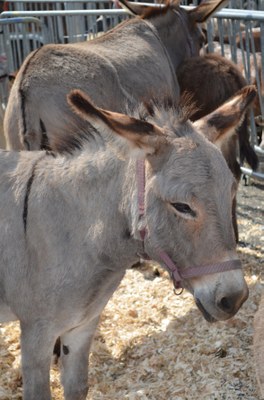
column 178, row 293
column 177, row 288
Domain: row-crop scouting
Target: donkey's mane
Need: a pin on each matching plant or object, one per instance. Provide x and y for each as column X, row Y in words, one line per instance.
column 167, row 113
column 181, row 109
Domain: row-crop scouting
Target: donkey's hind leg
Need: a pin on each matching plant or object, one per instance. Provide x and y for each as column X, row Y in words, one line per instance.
column 75, row 346
column 36, row 347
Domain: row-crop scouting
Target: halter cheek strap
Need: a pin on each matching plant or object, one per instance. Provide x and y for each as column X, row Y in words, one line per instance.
column 176, row 275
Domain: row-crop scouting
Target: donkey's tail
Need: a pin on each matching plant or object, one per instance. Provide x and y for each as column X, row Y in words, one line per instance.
column 19, row 120
column 246, row 151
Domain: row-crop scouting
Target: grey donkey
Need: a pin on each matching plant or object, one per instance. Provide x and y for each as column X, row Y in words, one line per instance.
column 71, row 224
column 135, row 60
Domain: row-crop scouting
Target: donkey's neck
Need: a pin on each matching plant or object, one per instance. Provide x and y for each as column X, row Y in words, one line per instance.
column 174, row 36
column 103, row 190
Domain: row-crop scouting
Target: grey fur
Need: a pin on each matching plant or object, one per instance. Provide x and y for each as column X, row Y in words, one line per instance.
column 57, row 276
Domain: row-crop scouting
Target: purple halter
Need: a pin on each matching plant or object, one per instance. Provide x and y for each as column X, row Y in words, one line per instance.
column 176, row 275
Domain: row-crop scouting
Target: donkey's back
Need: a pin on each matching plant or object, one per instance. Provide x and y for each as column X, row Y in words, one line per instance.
column 121, row 66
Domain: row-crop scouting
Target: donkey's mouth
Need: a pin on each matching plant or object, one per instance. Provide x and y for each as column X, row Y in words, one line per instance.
column 206, row 315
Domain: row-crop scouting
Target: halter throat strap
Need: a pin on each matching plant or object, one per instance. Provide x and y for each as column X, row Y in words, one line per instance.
column 176, row 275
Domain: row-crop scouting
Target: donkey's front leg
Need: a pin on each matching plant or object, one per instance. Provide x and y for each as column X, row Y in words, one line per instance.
column 36, row 348
column 75, row 346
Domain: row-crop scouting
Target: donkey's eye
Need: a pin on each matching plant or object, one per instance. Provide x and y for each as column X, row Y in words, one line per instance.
column 184, row 208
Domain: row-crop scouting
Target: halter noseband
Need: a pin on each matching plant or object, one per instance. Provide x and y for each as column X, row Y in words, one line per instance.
column 176, row 275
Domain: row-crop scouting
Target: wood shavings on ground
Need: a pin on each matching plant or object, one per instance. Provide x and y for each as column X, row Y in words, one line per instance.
column 153, row 345
column 258, row 345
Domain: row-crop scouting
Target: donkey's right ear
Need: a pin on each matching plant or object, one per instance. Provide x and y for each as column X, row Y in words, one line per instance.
column 142, row 137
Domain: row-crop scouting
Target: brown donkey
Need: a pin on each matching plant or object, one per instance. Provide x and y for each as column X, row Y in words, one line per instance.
column 210, row 80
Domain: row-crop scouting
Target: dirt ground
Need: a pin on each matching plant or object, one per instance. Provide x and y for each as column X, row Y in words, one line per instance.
column 154, row 345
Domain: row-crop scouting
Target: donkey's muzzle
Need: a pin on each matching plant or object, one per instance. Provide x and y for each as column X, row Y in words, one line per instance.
column 231, row 304
column 224, row 306
column 207, row 316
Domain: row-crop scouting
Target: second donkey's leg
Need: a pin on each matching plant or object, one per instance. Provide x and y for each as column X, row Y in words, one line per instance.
column 75, row 346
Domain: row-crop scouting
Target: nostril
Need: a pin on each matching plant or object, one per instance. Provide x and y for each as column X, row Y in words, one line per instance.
column 226, row 304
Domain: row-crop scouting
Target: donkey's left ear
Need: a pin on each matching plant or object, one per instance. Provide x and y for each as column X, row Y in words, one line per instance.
column 222, row 122
column 133, row 9
column 142, row 137
column 142, row 10
column 206, row 9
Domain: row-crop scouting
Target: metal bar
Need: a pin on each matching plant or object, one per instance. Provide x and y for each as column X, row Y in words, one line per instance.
column 246, row 15
column 221, row 35
column 259, row 150
column 57, row 13
column 254, row 174
column 57, row 1
column 17, row 20
column 210, row 35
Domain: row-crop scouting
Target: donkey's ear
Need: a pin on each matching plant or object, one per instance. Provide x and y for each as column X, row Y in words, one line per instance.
column 143, row 10
column 133, row 9
column 144, row 138
column 205, row 10
column 222, row 122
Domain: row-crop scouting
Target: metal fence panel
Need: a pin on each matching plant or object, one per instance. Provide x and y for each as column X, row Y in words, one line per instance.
column 74, row 25
column 60, row 26
column 18, row 37
column 65, row 21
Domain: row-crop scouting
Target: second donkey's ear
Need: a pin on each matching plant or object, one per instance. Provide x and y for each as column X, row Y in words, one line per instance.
column 142, row 10
column 133, row 9
column 142, row 137
column 206, row 9
column 222, row 122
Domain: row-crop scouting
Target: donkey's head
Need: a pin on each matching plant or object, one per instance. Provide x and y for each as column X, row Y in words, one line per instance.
column 187, row 196
column 178, row 28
